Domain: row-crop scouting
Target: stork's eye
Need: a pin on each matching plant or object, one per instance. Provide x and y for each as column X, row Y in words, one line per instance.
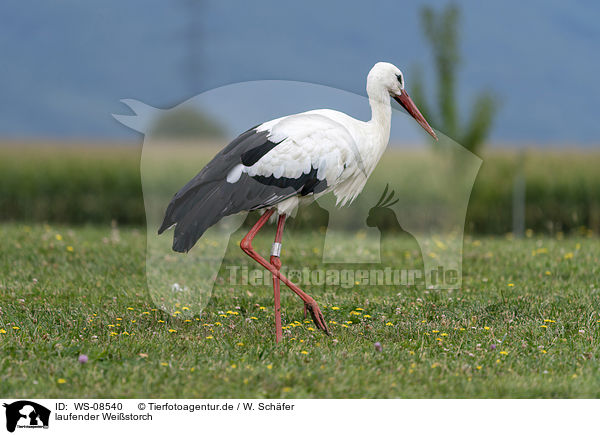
column 399, row 77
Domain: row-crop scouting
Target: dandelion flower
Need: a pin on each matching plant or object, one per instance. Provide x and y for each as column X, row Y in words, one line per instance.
column 389, row 324
column 270, row 366
column 478, row 367
column 172, row 330
column 303, row 352
column 503, row 352
column 61, row 381
column 240, row 344
column 16, row 328
column 58, row 237
column 209, row 337
column 543, row 326
column 335, row 308
column 510, row 284
column 130, row 309
column 2, row 331
column 164, row 364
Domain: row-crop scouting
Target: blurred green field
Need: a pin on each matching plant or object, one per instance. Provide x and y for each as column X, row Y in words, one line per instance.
column 100, row 184
column 525, row 323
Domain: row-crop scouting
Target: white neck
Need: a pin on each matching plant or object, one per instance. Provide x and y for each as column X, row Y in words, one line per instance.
column 381, row 119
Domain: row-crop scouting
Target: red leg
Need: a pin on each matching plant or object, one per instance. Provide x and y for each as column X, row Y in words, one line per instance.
column 276, row 262
column 309, row 302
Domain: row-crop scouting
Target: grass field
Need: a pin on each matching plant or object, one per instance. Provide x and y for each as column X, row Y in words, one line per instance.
column 524, row 324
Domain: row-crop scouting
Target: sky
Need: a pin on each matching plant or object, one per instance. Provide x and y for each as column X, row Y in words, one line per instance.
column 67, row 64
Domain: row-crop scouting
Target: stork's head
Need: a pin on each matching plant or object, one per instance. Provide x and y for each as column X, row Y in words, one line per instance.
column 385, row 77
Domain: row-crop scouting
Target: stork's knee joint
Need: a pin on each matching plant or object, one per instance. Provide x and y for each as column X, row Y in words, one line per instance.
column 245, row 245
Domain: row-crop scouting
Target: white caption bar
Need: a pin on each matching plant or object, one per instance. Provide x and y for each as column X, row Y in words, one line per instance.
column 295, row 416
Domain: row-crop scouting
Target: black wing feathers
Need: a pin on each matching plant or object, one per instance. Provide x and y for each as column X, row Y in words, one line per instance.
column 209, row 197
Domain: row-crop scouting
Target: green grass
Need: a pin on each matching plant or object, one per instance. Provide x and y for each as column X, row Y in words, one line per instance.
column 536, row 300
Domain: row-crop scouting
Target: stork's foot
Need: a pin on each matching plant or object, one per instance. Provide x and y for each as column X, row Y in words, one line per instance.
column 317, row 316
column 305, row 311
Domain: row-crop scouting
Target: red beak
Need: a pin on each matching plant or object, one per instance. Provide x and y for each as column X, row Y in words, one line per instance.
column 405, row 101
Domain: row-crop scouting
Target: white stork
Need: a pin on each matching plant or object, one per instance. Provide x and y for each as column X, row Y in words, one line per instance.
column 279, row 164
